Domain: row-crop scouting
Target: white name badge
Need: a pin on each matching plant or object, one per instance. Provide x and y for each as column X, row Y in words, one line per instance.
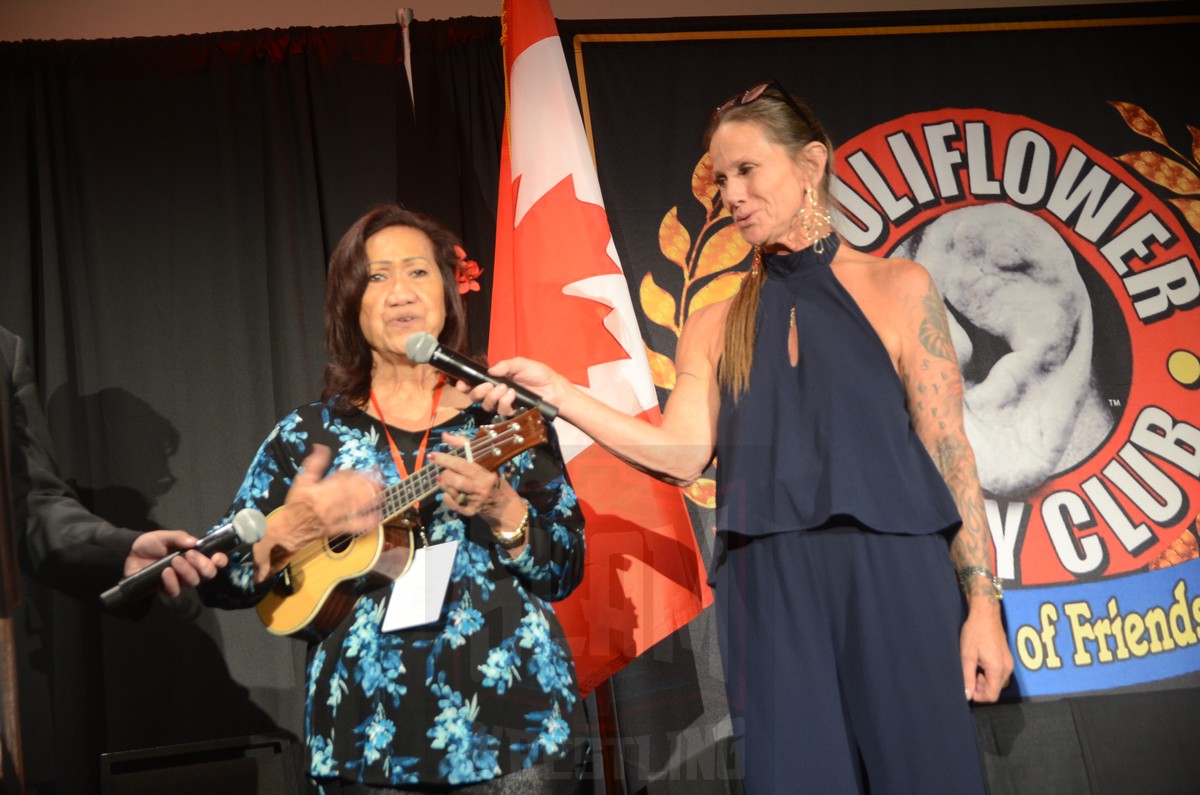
column 418, row 596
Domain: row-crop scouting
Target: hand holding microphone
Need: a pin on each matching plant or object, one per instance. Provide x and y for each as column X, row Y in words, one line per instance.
column 424, row 349
column 247, row 527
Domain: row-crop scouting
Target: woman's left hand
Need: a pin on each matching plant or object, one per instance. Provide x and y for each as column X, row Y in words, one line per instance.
column 986, row 658
column 473, row 490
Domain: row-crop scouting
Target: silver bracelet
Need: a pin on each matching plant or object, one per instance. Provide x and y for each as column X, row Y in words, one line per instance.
column 966, row 573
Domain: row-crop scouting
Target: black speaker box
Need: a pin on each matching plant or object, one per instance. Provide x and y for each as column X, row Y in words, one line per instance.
column 264, row 764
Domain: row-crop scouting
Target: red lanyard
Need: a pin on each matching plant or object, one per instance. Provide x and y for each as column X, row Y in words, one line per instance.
column 396, row 457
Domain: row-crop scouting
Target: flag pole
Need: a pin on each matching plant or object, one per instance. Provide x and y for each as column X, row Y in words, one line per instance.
column 611, row 752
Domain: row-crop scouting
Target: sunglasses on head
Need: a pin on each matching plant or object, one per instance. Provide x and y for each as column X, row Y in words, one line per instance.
column 756, row 91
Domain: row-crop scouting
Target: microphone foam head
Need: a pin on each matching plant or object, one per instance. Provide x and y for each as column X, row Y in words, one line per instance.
column 250, row 525
column 420, row 347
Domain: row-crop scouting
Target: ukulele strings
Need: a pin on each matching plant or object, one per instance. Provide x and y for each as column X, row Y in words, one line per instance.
column 423, row 482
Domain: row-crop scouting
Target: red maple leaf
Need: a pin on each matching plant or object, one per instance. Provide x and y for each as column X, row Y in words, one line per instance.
column 562, row 240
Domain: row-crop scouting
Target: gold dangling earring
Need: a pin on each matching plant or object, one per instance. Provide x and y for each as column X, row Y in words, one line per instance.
column 756, row 263
column 814, row 220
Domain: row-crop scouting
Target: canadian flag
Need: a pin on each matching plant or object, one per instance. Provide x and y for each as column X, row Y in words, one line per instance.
column 559, row 296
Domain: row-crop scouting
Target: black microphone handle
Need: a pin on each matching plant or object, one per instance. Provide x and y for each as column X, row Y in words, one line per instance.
column 144, row 582
column 141, row 583
column 461, row 367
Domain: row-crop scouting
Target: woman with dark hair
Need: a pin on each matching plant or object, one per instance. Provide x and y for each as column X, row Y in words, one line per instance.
column 348, row 375
column 847, row 504
column 483, row 698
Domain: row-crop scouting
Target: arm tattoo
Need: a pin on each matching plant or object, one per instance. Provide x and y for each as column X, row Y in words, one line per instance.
column 956, row 465
column 934, row 332
column 950, row 449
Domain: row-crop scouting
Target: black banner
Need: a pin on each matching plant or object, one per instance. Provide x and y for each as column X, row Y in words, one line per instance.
column 1047, row 172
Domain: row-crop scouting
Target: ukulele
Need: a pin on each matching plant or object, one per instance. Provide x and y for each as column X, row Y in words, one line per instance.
column 316, row 591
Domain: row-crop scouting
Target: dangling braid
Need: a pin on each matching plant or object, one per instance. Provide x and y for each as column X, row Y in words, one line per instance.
column 733, row 371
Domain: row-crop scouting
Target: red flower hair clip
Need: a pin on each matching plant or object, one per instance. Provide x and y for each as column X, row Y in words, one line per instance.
column 466, row 272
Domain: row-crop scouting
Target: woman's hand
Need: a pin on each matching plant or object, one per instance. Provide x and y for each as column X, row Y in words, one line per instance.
column 343, row 503
column 317, row 507
column 986, row 657
column 548, row 384
column 472, row 490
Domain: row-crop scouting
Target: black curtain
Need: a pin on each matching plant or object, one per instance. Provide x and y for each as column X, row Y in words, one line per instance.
column 169, row 207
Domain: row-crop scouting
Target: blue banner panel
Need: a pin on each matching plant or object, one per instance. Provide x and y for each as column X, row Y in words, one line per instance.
column 1111, row 633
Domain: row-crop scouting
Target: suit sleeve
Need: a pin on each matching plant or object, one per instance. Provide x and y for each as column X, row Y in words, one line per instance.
column 61, row 541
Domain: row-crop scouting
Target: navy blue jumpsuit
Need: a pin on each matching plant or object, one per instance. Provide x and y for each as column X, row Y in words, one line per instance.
column 837, row 603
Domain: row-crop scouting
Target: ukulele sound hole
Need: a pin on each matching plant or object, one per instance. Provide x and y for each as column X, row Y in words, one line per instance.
column 339, row 544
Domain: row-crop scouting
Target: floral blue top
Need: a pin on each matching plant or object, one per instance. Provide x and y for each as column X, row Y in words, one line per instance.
column 486, row 690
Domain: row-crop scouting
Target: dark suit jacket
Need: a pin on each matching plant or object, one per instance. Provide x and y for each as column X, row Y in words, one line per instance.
column 60, row 541
column 44, row 527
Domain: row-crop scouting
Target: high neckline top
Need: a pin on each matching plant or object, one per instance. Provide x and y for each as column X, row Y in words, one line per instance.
column 825, row 436
column 803, row 262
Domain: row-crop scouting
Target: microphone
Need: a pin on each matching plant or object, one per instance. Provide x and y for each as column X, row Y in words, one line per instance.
column 247, row 527
column 423, row 348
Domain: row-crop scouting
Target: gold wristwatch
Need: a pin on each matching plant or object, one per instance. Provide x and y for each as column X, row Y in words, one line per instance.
column 513, row 538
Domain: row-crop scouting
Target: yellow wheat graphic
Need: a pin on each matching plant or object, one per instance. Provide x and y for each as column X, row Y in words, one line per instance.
column 1179, row 176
